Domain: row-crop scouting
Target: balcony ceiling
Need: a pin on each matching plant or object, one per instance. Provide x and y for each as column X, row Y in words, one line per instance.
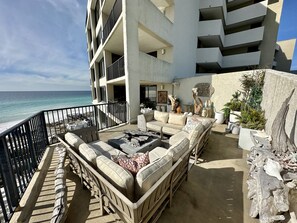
column 149, row 42
column 211, row 41
column 162, row 3
column 115, row 43
column 212, row 13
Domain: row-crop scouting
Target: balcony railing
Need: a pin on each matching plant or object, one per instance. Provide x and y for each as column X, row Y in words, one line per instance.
column 112, row 19
column 117, row 69
column 23, row 145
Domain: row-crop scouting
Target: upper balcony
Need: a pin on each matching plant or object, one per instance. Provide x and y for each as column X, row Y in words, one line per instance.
column 217, row 9
column 211, row 58
column 116, row 70
column 154, row 70
column 211, row 34
column 247, row 15
column 112, row 19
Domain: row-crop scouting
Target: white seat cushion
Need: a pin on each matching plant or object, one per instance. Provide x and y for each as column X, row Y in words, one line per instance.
column 155, row 126
column 73, row 140
column 106, row 149
column 157, row 153
column 122, row 179
column 171, row 129
column 150, row 174
column 161, row 116
column 178, row 149
column 177, row 119
column 89, row 152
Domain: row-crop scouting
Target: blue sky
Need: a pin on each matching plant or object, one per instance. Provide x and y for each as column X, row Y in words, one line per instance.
column 288, row 27
column 43, row 43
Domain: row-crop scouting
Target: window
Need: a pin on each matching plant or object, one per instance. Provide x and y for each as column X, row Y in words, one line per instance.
column 97, row 11
column 103, row 93
column 101, row 68
column 148, row 92
column 92, row 75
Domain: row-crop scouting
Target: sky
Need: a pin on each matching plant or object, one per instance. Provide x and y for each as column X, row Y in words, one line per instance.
column 43, row 43
column 288, row 26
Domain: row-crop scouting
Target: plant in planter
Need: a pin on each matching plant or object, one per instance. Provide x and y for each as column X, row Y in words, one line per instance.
column 252, row 119
column 233, row 107
column 252, row 116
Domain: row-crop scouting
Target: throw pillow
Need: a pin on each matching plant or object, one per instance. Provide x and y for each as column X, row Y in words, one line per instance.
column 191, row 124
column 133, row 163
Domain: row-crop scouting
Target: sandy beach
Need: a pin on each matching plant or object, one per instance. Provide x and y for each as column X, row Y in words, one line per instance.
column 7, row 125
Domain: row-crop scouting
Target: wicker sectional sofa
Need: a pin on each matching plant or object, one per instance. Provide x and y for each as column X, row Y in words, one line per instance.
column 139, row 198
column 178, row 126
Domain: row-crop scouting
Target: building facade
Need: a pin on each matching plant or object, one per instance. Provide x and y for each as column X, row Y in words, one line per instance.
column 138, row 48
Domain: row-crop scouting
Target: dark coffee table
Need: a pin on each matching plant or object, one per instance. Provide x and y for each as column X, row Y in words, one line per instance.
column 128, row 146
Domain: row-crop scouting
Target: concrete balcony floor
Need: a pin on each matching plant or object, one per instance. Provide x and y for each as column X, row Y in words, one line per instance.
column 216, row 190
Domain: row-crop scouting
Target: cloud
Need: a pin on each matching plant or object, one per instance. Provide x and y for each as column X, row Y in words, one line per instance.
column 43, row 39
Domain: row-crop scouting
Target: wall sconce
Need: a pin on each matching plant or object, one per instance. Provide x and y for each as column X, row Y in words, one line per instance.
column 162, row 86
column 176, row 84
column 163, row 51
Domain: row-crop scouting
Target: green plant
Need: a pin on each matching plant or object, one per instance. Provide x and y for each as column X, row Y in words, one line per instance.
column 235, row 104
column 252, row 85
column 252, row 118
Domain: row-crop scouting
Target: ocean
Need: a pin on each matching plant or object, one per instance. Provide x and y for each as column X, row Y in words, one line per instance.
column 16, row 106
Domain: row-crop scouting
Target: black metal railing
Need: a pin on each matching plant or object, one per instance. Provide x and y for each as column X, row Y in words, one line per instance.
column 21, row 149
column 23, row 145
column 112, row 19
column 117, row 69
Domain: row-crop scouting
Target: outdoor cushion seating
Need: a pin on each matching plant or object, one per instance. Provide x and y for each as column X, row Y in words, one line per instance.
column 139, row 198
column 162, row 122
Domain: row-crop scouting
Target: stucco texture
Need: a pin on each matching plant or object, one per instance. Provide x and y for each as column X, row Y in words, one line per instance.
column 277, row 87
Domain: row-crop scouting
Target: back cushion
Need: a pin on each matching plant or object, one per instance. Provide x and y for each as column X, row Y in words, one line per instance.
column 119, row 177
column 149, row 116
column 73, row 140
column 195, row 134
column 206, row 123
column 161, row 116
column 150, row 174
column 177, row 119
column 178, row 149
column 89, row 152
column 191, row 124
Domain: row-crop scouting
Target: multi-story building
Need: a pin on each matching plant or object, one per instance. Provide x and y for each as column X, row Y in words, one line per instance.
column 139, row 47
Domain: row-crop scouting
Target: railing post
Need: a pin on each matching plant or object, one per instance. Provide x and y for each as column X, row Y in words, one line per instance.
column 9, row 181
column 31, row 145
column 43, row 123
column 96, row 116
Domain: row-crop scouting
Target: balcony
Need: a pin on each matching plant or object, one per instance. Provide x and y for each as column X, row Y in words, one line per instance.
column 210, row 56
column 211, row 34
column 241, row 60
column 154, row 69
column 116, row 70
column 23, row 145
column 216, row 185
column 112, row 19
column 247, row 15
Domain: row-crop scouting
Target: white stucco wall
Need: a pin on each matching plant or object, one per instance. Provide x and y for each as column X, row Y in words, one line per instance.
column 185, row 31
column 225, row 85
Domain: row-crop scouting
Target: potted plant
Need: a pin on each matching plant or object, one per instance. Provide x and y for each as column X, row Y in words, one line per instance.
column 252, row 117
column 233, row 107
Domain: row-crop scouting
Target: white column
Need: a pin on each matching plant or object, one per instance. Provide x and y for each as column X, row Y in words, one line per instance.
column 131, row 55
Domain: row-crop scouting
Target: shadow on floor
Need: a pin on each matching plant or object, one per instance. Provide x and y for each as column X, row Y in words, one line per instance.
column 221, row 147
column 209, row 196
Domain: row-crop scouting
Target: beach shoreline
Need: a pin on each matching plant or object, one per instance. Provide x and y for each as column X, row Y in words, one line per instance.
column 6, row 125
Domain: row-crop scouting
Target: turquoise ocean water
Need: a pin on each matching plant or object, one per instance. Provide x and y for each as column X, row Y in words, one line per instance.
column 18, row 105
